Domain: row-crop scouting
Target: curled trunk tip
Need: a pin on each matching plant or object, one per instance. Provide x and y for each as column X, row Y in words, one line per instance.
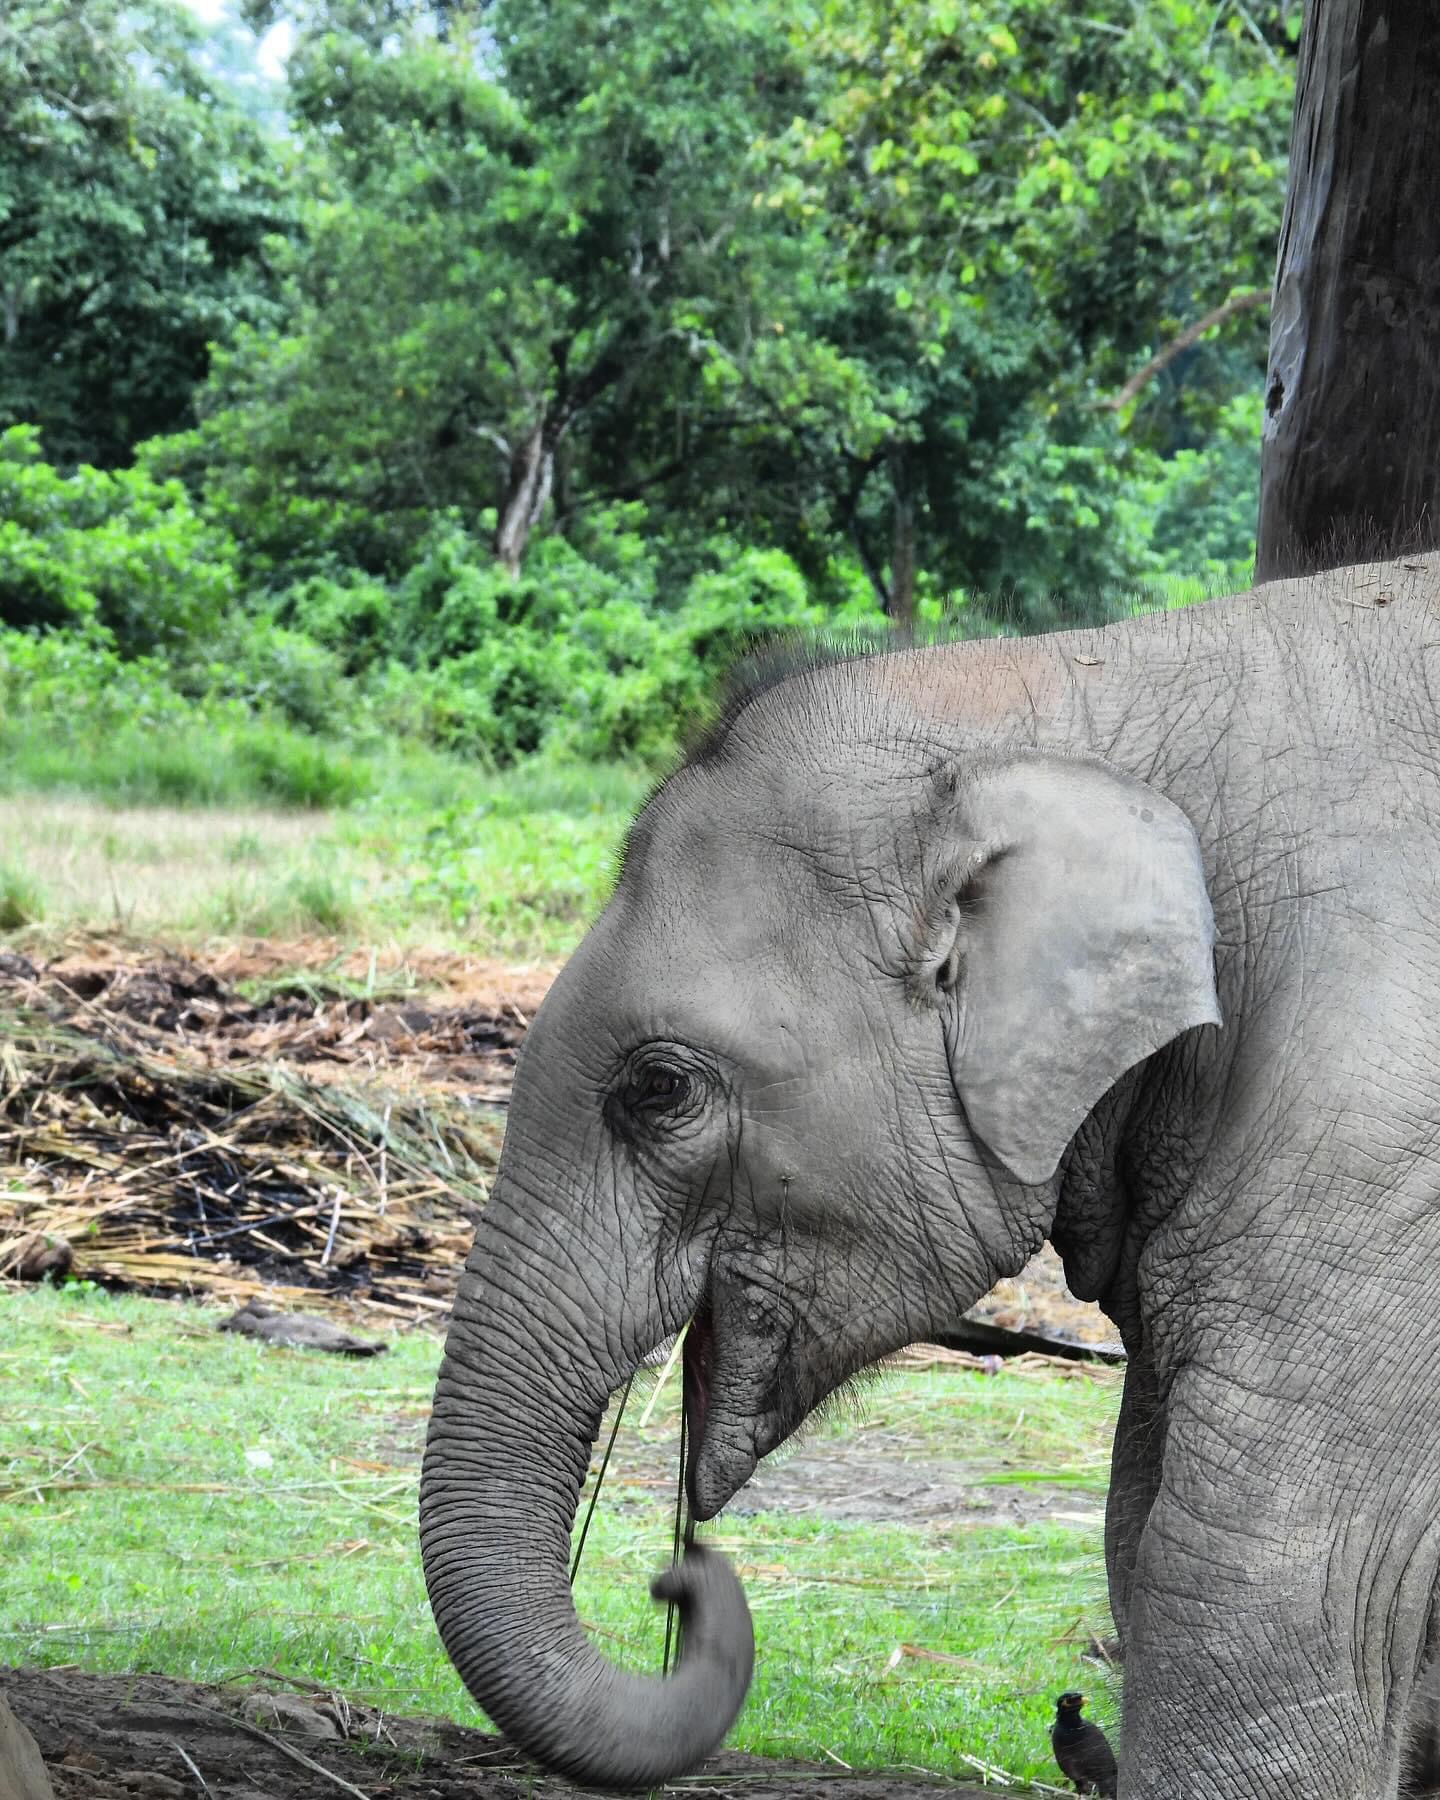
column 497, row 1505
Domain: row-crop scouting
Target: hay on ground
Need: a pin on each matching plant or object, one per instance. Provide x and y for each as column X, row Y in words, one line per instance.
column 160, row 1124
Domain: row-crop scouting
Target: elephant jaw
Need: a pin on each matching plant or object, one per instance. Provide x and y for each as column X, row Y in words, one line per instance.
column 722, row 1445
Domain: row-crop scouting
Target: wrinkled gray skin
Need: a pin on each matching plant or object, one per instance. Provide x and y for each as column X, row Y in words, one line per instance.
column 913, row 967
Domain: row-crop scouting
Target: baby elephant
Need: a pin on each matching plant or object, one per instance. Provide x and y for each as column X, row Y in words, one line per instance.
column 1082, row 1749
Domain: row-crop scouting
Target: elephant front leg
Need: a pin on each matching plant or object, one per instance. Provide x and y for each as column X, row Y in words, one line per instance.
column 1272, row 1644
column 1135, row 1470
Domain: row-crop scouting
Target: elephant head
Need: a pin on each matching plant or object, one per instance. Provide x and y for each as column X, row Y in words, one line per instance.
column 805, row 1085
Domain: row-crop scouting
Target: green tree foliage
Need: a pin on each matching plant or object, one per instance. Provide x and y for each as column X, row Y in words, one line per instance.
column 856, row 282
column 607, row 337
column 528, row 236
column 1018, row 201
column 135, row 201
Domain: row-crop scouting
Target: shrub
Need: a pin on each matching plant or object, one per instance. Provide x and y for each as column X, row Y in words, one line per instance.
column 120, row 551
column 74, row 681
column 273, row 670
column 349, row 613
column 123, row 631
column 753, row 594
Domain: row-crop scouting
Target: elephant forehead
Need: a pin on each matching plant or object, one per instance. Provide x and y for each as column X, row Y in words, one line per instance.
column 729, row 974
column 769, row 813
column 734, row 889
column 726, row 959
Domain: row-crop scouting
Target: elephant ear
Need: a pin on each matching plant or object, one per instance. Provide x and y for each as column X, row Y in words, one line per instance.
column 1068, row 936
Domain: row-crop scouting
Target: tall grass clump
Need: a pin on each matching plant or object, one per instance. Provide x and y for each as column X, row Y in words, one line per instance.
column 21, row 901
column 306, row 901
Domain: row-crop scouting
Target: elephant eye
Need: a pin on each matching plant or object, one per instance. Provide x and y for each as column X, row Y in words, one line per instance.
column 658, row 1089
column 663, row 1089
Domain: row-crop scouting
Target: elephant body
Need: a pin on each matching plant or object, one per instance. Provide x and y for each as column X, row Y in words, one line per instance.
column 1123, row 937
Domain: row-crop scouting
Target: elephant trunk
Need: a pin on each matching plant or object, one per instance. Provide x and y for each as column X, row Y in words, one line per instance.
column 509, row 1443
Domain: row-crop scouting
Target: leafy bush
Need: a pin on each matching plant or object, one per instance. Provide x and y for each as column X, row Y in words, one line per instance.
column 126, row 640
column 349, row 613
column 73, row 712
column 77, row 681
column 121, row 552
column 580, row 651
column 270, row 669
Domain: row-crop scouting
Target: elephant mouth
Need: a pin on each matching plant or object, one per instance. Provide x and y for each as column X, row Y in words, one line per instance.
column 722, row 1446
column 698, row 1366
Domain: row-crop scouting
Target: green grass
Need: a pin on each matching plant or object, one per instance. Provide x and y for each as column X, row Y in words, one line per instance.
column 512, row 865
column 178, row 1500
column 181, row 764
column 301, row 903
column 191, row 762
column 21, row 901
column 519, row 863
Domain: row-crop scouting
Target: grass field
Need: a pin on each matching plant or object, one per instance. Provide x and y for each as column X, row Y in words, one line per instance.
column 192, row 1503
column 509, row 865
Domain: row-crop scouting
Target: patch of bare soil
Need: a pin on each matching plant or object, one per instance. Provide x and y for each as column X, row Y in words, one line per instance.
column 449, row 976
column 147, row 1737
column 302, row 1141
column 1037, row 1301
column 879, row 1477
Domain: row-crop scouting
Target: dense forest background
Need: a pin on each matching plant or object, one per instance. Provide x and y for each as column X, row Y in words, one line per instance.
column 490, row 378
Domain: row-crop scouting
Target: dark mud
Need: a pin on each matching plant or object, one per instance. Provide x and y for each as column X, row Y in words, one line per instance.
column 147, row 1737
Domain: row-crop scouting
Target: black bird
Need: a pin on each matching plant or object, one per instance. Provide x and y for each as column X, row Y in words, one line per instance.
column 1082, row 1749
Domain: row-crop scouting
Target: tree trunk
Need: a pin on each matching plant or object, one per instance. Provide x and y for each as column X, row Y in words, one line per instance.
column 901, row 606
column 1350, row 457
column 532, row 472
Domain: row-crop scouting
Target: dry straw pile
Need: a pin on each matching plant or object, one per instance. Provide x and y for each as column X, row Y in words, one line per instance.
column 159, row 1131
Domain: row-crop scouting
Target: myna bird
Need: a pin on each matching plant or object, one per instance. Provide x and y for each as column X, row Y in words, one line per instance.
column 1082, row 1749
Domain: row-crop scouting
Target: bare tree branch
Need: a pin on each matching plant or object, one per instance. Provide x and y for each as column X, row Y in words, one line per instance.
column 1218, row 315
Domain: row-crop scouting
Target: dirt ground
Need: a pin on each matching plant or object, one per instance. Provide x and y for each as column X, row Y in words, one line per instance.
column 878, row 1476
column 146, row 1737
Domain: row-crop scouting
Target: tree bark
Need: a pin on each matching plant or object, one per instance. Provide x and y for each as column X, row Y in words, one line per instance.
column 901, row 604
column 532, row 471
column 1350, row 457
column 532, row 468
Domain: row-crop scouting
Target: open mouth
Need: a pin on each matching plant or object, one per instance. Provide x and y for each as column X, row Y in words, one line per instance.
column 698, row 1367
